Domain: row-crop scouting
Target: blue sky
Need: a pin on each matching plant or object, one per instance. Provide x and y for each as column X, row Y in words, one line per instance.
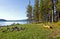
column 13, row 9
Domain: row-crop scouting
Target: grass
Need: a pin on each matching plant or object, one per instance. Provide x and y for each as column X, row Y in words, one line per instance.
column 32, row 31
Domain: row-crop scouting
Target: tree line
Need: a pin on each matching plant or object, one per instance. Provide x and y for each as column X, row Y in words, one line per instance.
column 43, row 11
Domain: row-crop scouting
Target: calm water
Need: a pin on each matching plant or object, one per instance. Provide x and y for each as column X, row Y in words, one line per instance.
column 2, row 23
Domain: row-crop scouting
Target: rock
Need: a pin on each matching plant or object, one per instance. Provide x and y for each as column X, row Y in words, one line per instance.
column 4, row 30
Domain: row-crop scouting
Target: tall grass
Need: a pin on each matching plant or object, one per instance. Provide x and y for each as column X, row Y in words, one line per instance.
column 32, row 31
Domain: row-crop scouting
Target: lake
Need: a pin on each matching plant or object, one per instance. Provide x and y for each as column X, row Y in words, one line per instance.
column 2, row 23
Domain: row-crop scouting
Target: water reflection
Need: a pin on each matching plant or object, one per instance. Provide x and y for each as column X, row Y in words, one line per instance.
column 9, row 23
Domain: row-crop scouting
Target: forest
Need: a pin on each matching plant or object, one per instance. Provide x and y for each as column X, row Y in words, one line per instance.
column 43, row 11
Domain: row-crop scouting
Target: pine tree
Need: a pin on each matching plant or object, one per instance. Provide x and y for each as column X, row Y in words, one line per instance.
column 29, row 12
column 45, row 10
column 41, row 10
column 58, row 9
column 36, row 11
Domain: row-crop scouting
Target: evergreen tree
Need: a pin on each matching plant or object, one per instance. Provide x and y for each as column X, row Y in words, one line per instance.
column 29, row 12
column 36, row 11
column 45, row 10
column 41, row 10
column 58, row 9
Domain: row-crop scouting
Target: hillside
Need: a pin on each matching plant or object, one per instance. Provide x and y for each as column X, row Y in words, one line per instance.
column 2, row 20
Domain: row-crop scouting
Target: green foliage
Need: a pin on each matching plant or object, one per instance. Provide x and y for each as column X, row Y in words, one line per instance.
column 42, row 11
column 29, row 9
column 45, row 9
column 29, row 12
column 36, row 11
column 58, row 5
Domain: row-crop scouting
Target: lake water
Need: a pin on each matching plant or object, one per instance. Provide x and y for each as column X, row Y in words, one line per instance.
column 2, row 23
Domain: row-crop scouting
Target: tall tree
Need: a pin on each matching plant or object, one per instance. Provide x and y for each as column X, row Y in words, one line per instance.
column 36, row 11
column 41, row 10
column 45, row 10
column 58, row 9
column 29, row 12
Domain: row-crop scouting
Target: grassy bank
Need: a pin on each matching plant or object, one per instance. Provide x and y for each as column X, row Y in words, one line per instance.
column 29, row 31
